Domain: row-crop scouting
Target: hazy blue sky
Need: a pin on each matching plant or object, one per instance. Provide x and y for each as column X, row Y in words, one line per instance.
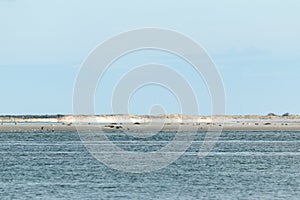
column 255, row 45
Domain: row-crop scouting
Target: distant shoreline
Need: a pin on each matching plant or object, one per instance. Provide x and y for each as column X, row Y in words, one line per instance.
column 146, row 123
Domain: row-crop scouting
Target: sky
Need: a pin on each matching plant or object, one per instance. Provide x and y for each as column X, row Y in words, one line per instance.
column 255, row 46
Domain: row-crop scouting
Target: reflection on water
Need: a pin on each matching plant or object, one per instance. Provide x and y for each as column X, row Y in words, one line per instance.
column 243, row 165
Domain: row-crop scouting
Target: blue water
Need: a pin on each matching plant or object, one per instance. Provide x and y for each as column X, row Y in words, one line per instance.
column 243, row 165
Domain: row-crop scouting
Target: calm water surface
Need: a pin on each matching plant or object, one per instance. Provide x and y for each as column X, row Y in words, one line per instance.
column 242, row 165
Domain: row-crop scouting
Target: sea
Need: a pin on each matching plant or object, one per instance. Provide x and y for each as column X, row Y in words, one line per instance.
column 241, row 165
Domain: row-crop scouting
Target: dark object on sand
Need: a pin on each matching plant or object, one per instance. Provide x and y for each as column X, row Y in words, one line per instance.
column 286, row 115
column 271, row 114
column 119, row 127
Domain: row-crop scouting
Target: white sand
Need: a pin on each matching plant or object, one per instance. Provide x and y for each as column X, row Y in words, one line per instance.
column 131, row 123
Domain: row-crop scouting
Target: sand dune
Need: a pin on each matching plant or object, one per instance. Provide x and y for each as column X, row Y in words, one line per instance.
column 69, row 123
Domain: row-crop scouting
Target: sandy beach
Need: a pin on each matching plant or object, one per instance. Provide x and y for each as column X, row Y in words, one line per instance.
column 131, row 123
